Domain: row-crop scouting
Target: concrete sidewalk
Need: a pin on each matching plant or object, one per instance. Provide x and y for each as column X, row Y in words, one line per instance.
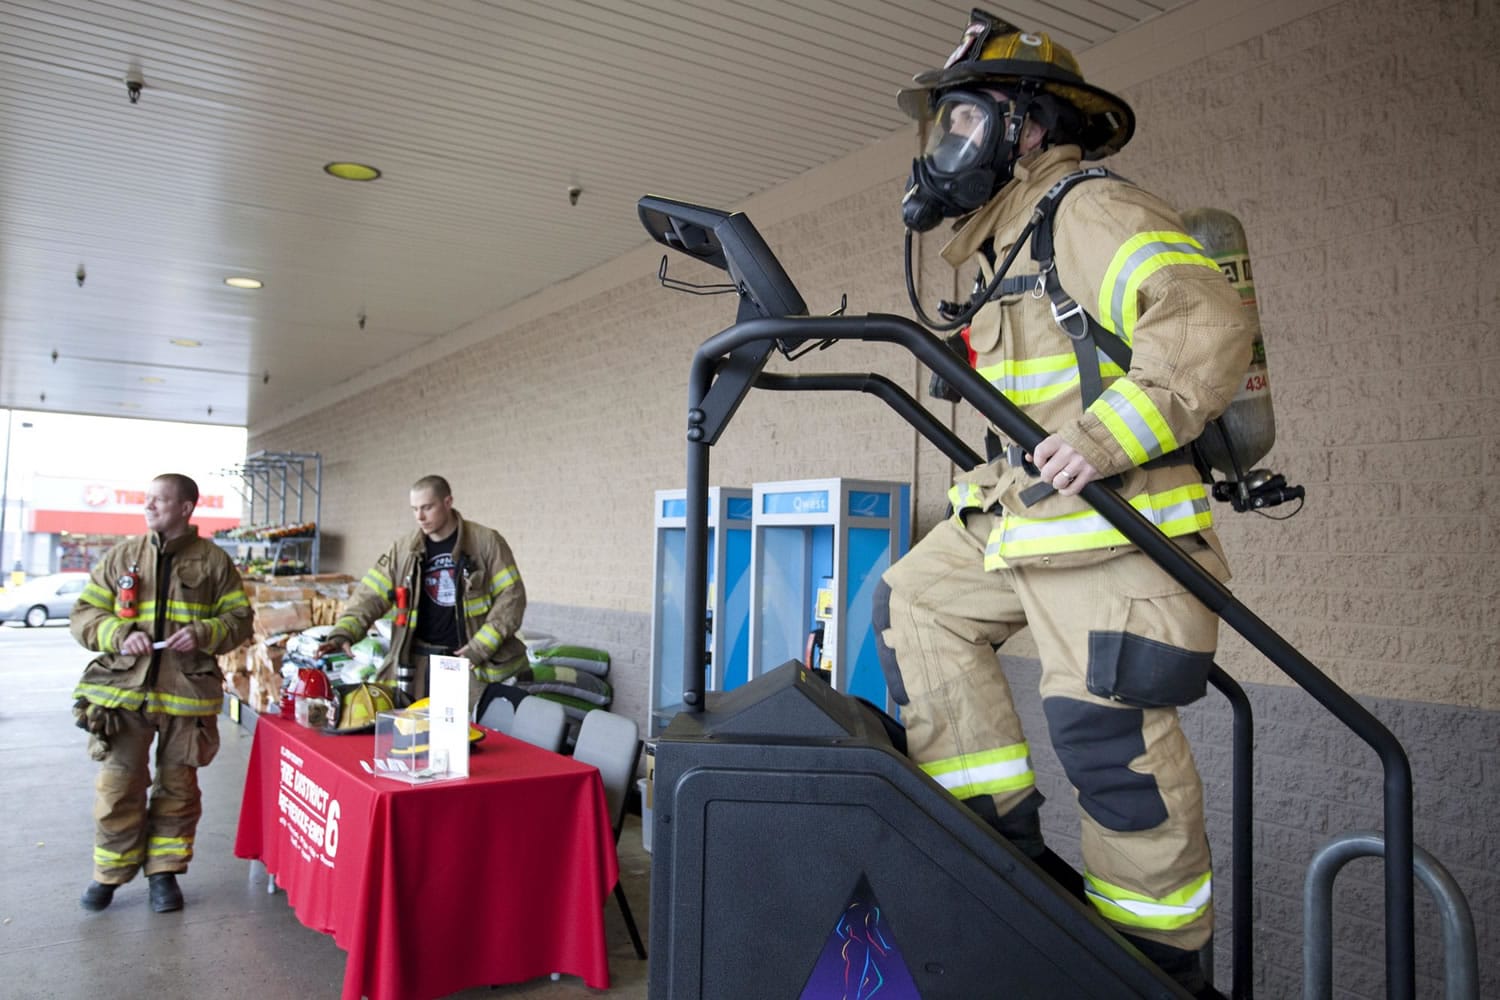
column 232, row 939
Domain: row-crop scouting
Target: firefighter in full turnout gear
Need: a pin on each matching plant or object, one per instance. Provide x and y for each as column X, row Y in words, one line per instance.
column 455, row 591
column 158, row 608
column 1121, row 643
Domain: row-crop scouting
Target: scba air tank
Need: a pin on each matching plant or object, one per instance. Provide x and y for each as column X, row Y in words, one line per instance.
column 1249, row 422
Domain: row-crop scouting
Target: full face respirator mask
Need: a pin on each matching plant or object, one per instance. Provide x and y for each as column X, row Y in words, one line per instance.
column 970, row 152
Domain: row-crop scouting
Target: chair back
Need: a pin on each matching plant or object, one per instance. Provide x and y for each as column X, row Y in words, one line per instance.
column 540, row 722
column 499, row 715
column 611, row 743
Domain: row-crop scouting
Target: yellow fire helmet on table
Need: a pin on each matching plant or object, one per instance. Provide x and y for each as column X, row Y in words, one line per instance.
column 420, row 705
column 360, row 704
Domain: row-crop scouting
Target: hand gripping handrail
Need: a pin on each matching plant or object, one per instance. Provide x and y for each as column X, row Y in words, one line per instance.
column 708, row 363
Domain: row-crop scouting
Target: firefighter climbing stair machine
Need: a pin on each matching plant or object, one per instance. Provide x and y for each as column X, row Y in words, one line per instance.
column 797, row 853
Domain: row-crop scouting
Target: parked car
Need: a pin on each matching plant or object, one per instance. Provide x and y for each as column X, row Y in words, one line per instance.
column 34, row 601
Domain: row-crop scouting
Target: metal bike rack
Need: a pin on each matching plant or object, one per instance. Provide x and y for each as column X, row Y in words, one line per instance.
column 1460, row 954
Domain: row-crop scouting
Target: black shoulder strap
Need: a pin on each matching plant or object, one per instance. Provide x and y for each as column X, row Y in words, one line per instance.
column 1084, row 331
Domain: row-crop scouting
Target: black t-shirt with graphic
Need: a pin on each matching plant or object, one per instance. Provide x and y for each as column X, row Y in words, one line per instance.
column 437, row 618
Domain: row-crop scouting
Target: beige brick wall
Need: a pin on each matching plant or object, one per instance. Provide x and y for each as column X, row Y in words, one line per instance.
column 1351, row 139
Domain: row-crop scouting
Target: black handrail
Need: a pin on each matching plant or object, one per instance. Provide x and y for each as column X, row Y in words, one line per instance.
column 1242, row 826
column 897, row 398
column 1015, row 425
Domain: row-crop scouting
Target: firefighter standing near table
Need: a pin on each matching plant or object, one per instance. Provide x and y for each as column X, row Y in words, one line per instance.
column 455, row 590
column 158, row 608
column 1121, row 643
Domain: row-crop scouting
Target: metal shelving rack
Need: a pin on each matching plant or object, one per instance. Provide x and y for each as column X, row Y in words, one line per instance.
column 279, row 487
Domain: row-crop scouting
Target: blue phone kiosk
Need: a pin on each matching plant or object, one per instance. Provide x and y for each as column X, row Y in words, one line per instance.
column 819, row 548
column 727, row 650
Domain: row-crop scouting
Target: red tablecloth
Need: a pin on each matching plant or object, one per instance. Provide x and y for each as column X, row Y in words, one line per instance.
column 496, row 878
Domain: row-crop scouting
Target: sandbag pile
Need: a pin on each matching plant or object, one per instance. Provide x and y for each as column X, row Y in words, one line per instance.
column 573, row 676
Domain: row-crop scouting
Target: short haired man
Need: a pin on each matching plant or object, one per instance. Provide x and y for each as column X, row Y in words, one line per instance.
column 157, row 609
column 456, row 591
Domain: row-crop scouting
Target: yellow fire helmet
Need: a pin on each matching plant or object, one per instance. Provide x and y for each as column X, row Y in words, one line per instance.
column 994, row 53
column 420, row 705
column 359, row 704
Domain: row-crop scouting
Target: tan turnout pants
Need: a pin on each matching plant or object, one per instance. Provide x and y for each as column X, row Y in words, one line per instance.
column 1146, row 855
column 133, row 828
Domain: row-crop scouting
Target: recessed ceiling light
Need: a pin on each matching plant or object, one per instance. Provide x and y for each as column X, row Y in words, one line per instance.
column 130, row 406
column 153, row 379
column 238, row 281
column 351, row 171
column 187, row 342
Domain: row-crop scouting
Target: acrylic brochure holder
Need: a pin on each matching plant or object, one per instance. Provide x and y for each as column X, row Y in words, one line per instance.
column 430, row 743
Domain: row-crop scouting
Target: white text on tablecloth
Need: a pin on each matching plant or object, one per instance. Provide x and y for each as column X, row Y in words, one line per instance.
column 309, row 813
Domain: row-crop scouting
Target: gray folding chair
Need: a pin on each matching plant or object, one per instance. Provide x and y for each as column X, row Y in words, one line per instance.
column 540, row 722
column 612, row 743
column 499, row 715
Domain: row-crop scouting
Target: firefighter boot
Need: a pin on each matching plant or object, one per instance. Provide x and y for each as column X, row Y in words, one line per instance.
column 1022, row 826
column 1185, row 968
column 97, row 896
column 165, row 896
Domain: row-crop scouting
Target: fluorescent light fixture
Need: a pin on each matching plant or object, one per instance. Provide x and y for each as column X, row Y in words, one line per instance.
column 240, row 281
column 153, row 379
column 351, row 171
column 186, row 342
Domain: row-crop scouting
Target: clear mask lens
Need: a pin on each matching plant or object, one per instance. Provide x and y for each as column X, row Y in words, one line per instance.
column 962, row 131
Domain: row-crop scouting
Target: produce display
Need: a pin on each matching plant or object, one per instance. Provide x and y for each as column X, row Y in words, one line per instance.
column 267, row 532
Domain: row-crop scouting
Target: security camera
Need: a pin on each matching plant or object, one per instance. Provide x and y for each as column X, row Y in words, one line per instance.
column 133, row 85
column 573, row 192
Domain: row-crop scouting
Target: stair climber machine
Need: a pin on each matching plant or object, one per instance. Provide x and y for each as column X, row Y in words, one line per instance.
column 797, row 853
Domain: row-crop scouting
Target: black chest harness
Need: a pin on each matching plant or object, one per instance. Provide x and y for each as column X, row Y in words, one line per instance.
column 1085, row 333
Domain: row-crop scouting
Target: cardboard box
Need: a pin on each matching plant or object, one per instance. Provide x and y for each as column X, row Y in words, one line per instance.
column 282, row 616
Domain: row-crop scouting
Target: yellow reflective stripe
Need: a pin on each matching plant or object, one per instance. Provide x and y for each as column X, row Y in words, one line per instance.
column 230, row 601
column 489, row 637
column 108, row 630
column 187, row 611
column 176, row 704
column 1036, row 380
column 1161, row 913
column 1137, row 259
column 217, row 632
column 109, row 697
column 474, row 606
column 964, row 496
column 97, row 596
column 349, row 625
column 380, row 583
column 106, row 858
column 503, row 580
column 989, row 772
column 181, row 847
column 1179, row 511
column 492, row 673
column 1134, row 421
column 154, row 701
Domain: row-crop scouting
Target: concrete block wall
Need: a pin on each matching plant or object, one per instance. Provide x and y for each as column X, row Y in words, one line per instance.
column 1351, row 139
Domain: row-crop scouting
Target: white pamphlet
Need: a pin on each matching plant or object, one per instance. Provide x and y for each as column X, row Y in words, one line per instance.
column 448, row 713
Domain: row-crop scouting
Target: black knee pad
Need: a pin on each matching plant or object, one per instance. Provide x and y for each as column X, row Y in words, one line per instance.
column 1096, row 745
column 880, row 618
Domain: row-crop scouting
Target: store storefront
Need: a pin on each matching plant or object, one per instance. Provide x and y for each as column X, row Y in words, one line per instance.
column 72, row 522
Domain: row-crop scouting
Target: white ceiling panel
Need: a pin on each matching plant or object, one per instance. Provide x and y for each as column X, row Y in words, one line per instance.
column 480, row 113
